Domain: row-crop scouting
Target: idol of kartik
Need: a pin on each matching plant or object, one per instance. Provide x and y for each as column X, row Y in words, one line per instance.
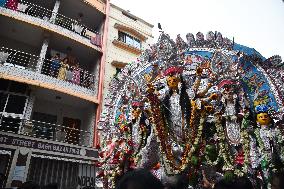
column 268, row 145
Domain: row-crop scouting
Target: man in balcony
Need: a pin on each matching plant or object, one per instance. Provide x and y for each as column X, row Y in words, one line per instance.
column 72, row 60
column 78, row 26
column 55, row 64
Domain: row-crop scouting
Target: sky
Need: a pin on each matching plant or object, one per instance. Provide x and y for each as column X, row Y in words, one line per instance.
column 257, row 24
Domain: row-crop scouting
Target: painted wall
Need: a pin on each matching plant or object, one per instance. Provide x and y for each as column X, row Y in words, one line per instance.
column 114, row 53
column 89, row 122
column 16, row 45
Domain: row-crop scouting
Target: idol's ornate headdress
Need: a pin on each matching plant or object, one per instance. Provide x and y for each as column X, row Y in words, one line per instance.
column 261, row 109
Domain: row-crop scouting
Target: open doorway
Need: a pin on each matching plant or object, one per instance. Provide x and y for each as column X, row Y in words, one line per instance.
column 5, row 159
column 72, row 129
column 44, row 125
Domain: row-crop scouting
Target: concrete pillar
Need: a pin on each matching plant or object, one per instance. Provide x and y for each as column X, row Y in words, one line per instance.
column 19, row 167
column 28, row 112
column 42, row 54
column 55, row 11
column 30, row 105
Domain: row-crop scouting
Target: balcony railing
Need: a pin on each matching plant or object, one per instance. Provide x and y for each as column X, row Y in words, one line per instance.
column 129, row 47
column 53, row 68
column 55, row 18
column 47, row 131
column 18, row 59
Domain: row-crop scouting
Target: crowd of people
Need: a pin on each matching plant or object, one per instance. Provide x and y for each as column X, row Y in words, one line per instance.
column 67, row 69
column 142, row 179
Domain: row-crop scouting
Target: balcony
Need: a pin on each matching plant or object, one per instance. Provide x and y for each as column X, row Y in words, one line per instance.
column 45, row 114
column 47, row 131
column 130, row 48
column 48, row 19
column 128, row 42
column 48, row 73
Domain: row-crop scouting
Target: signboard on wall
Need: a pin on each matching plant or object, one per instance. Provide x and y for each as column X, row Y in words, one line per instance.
column 86, row 177
column 47, row 146
column 19, row 173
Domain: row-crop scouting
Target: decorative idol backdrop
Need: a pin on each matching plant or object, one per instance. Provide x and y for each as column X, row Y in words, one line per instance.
column 204, row 108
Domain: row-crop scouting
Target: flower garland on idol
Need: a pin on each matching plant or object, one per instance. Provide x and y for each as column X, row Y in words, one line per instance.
column 120, row 154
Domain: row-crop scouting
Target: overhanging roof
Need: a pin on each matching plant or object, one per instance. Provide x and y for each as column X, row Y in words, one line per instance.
column 130, row 31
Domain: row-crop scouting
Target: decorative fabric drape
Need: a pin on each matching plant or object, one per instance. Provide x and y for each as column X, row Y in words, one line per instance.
column 96, row 40
column 12, row 4
column 76, row 76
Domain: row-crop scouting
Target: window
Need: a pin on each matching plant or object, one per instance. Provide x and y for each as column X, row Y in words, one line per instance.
column 13, row 97
column 12, row 104
column 12, row 109
column 128, row 39
column 117, row 72
column 13, row 101
column 16, row 104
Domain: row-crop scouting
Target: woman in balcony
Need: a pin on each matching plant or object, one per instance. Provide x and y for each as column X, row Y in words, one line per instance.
column 76, row 74
column 63, row 69
column 72, row 60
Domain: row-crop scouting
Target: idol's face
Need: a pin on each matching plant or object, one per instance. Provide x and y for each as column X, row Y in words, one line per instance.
column 228, row 94
column 173, row 82
column 263, row 119
column 136, row 113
